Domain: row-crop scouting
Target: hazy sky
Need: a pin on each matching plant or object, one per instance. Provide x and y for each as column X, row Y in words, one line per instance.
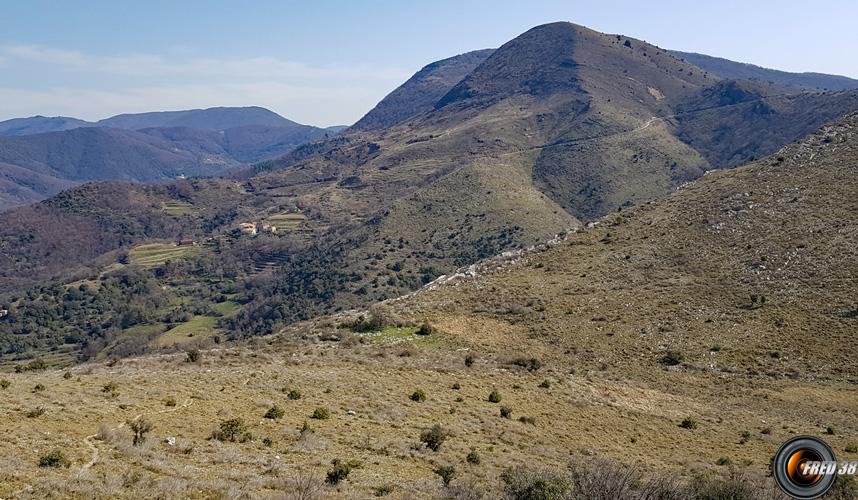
column 328, row 62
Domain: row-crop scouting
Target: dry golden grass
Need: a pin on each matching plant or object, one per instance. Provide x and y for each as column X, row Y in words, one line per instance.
column 582, row 414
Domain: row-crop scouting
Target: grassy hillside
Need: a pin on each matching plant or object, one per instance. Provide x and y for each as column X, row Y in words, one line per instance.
column 671, row 338
column 732, row 272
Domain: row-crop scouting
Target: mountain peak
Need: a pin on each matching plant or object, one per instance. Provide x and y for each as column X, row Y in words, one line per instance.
column 421, row 91
column 557, row 57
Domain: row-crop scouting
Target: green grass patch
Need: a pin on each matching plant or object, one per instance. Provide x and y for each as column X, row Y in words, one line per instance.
column 177, row 208
column 285, row 222
column 155, row 254
column 226, row 308
column 143, row 329
column 199, row 327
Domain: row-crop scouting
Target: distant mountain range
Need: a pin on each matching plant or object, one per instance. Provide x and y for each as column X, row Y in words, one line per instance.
column 473, row 156
column 40, row 125
column 726, row 68
column 220, row 118
column 39, row 155
column 159, row 146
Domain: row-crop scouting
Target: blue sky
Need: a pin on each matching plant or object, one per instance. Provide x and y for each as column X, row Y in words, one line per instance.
column 328, row 62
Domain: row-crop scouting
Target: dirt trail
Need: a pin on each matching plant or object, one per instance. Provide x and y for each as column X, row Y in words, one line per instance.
column 95, row 452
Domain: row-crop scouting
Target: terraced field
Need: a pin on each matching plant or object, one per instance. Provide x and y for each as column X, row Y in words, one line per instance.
column 154, row 254
column 178, row 208
column 60, row 356
column 286, row 221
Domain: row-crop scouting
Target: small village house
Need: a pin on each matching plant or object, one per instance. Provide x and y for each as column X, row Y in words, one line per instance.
column 247, row 227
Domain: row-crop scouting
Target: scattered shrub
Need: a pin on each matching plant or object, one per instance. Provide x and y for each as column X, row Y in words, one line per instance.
column 532, row 364
column 506, row 412
column 375, row 320
column 744, row 437
column 494, row 397
column 274, row 413
column 469, row 360
column 139, row 428
column 434, row 437
column 170, row 402
column 321, row 413
column 233, row 429
column 294, row 394
column 671, row 358
column 36, row 412
column 545, row 384
column 603, row 479
column 111, row 389
column 688, row 423
column 38, row 388
column 608, row 479
column 425, row 329
column 193, row 356
column 55, row 458
column 303, row 486
column 306, row 429
column 456, row 386
column 37, row 364
column 465, row 490
column 724, row 461
column 829, row 430
column 341, row 470
column 268, row 442
column 67, row 375
column 473, row 457
column 523, row 484
column 734, row 486
column 851, row 448
column 418, row 396
column 447, row 473
column 383, row 490
column 527, row 420
column 4, row 384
